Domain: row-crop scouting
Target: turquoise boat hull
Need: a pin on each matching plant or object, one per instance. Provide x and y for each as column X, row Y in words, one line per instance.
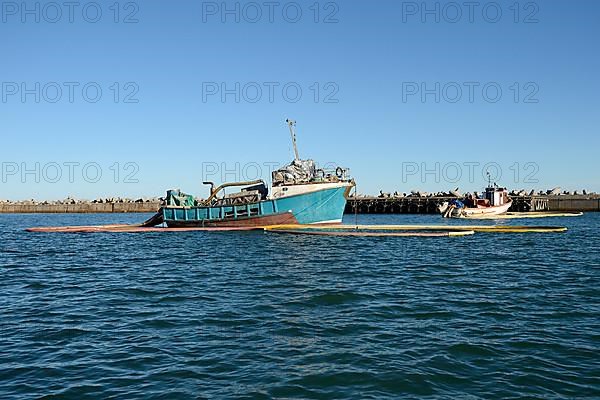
column 320, row 206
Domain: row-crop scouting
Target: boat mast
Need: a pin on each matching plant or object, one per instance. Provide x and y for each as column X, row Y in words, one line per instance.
column 292, row 126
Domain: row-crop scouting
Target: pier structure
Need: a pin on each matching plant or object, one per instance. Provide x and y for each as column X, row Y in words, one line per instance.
column 429, row 204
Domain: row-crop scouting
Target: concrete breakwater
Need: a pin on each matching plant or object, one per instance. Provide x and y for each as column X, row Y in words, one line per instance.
column 116, row 205
column 364, row 204
column 428, row 204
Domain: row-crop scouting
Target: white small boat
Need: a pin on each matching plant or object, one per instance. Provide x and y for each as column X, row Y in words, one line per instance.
column 495, row 201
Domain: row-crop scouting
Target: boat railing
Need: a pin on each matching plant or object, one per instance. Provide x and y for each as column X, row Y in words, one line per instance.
column 214, row 192
column 332, row 174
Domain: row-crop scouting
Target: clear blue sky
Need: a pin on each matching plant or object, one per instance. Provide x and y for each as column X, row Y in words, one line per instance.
column 370, row 62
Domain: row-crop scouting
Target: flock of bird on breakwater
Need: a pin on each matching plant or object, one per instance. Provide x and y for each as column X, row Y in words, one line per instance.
column 415, row 202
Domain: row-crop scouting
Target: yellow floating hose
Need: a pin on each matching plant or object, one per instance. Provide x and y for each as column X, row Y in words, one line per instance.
column 369, row 234
column 522, row 215
column 447, row 228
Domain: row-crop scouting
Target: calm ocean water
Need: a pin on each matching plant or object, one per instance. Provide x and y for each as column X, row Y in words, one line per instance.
column 254, row 315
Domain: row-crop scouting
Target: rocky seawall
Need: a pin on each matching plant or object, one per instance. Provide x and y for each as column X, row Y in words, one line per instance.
column 419, row 204
column 383, row 204
column 114, row 205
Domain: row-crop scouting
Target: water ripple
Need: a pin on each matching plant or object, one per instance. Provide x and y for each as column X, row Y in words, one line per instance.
column 252, row 315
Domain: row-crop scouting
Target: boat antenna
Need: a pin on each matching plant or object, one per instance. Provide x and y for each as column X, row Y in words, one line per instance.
column 489, row 178
column 292, row 125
